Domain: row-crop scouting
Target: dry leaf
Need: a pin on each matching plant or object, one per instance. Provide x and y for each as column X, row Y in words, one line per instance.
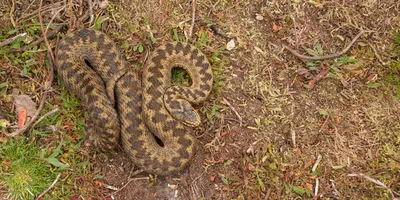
column 343, row 81
column 318, row 78
column 309, row 186
column 25, row 102
column 21, row 117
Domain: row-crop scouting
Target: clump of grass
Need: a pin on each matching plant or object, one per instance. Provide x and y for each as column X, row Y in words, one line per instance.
column 23, row 170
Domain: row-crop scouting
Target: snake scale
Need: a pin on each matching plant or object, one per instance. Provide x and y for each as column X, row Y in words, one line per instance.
column 152, row 117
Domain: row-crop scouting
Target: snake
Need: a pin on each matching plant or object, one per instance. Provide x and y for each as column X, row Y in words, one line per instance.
column 149, row 116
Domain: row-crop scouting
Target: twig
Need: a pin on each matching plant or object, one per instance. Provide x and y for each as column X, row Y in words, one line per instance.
column 44, row 9
column 193, row 18
column 50, row 187
column 213, row 8
column 334, row 187
column 12, row 14
column 54, row 16
column 44, row 33
column 42, row 117
column 376, row 182
column 376, row 54
column 316, row 187
column 234, row 110
column 324, row 124
column 90, row 5
column 10, row 40
column 319, row 158
column 40, row 40
column 335, row 55
column 293, row 134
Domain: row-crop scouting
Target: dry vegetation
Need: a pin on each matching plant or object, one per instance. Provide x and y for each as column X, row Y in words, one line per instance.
column 275, row 126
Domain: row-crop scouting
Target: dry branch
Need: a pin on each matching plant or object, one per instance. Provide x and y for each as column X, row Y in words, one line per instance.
column 376, row 182
column 49, row 188
column 193, row 18
column 40, row 40
column 10, row 40
column 335, row 55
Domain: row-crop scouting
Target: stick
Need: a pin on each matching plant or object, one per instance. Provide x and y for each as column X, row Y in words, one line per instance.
column 316, row 187
column 376, row 182
column 54, row 16
column 193, row 18
column 213, row 8
column 12, row 14
column 376, row 54
column 40, row 40
column 293, row 133
column 319, row 158
column 10, row 40
column 49, row 188
column 335, row 55
column 234, row 110
column 90, row 5
column 42, row 117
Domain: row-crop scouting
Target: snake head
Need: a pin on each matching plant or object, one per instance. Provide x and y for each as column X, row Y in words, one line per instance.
column 186, row 114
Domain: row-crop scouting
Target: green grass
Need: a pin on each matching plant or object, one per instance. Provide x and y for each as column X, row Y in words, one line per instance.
column 24, row 169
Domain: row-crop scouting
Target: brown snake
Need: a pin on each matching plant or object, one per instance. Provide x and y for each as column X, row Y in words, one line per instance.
column 148, row 113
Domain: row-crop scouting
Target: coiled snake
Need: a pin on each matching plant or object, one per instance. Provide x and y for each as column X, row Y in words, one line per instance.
column 148, row 113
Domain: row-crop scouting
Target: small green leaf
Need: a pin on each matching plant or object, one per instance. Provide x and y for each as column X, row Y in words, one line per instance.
column 323, row 112
column 176, row 37
column 16, row 44
column 336, row 69
column 318, row 48
column 140, row 48
column 12, row 32
column 125, row 45
column 373, row 85
column 56, row 163
column 4, row 84
column 272, row 166
column 311, row 52
column 298, row 190
column 224, row 180
column 132, row 29
column 228, row 162
column 55, row 153
column 99, row 22
column 316, row 172
column 332, row 75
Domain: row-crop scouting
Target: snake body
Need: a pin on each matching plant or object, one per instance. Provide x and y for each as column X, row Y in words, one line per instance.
column 147, row 112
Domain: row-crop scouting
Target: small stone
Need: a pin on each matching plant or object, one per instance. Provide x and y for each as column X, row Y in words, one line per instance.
column 230, row 45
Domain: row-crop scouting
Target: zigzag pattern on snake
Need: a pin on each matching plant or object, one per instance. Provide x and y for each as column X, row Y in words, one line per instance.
column 148, row 113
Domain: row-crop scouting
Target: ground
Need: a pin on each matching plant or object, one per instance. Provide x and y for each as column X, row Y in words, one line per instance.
column 274, row 126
